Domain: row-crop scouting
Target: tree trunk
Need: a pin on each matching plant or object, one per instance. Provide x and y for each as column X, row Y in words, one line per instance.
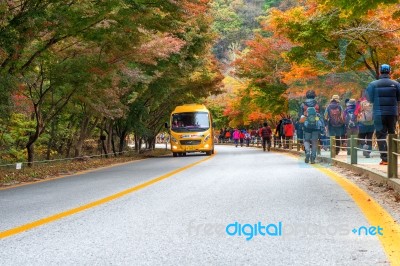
column 113, row 147
column 30, row 147
column 140, row 144
column 122, row 142
column 82, row 137
column 110, row 136
column 34, row 137
column 136, row 143
column 51, row 140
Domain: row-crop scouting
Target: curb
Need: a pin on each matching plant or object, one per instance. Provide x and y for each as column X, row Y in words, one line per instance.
column 379, row 178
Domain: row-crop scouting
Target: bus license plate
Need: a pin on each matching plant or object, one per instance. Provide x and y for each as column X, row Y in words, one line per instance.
column 190, row 148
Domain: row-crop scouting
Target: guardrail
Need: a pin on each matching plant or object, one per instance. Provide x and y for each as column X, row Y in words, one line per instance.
column 352, row 148
column 393, row 153
column 20, row 165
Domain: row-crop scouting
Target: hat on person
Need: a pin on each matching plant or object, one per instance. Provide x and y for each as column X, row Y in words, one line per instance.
column 351, row 102
column 385, row 69
column 336, row 98
column 310, row 94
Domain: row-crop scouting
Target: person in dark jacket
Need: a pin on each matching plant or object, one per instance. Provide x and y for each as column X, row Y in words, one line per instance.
column 311, row 129
column 299, row 131
column 350, row 121
column 278, row 133
column 384, row 94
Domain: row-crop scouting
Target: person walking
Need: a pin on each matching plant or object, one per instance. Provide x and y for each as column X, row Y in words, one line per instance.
column 384, row 94
column 241, row 136
column 247, row 137
column 312, row 125
column 266, row 133
column 334, row 118
column 288, row 131
column 227, row 136
column 299, row 132
column 236, row 137
column 366, row 128
column 350, row 121
column 279, row 133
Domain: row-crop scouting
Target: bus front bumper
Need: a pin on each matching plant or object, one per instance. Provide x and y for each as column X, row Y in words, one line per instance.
column 191, row 148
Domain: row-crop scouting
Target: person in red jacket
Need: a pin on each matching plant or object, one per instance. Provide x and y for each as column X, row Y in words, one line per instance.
column 241, row 136
column 288, row 130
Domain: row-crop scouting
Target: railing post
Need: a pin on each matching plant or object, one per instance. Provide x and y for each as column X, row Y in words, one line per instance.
column 297, row 145
column 333, row 149
column 290, row 144
column 392, row 158
column 353, row 150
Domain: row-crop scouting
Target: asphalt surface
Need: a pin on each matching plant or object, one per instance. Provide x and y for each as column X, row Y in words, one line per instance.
column 182, row 219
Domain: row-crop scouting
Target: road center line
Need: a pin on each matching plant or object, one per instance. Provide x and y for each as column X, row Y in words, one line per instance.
column 55, row 217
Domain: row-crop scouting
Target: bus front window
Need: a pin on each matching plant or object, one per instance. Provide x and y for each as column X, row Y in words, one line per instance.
column 197, row 121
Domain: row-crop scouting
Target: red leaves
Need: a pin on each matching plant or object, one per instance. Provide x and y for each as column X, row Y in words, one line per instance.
column 160, row 47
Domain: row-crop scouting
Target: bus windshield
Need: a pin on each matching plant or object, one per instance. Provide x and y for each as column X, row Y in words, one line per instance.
column 194, row 121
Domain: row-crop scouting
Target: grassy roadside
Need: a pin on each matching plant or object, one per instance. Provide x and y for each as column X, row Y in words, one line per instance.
column 10, row 177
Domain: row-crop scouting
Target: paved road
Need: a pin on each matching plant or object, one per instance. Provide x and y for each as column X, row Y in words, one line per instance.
column 182, row 219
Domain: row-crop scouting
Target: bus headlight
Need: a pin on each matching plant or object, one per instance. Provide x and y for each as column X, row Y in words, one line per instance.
column 173, row 139
column 207, row 138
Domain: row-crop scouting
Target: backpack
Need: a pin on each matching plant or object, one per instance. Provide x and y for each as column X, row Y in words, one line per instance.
column 351, row 119
column 312, row 118
column 289, row 129
column 247, row 136
column 365, row 116
column 335, row 115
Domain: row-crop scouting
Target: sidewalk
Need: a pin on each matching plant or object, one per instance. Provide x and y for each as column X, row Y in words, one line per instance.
column 365, row 166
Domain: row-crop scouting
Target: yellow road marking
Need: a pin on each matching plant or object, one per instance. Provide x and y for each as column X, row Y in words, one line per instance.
column 96, row 203
column 374, row 214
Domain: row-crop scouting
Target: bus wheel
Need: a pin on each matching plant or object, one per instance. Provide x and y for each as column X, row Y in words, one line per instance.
column 174, row 154
column 212, row 152
column 208, row 153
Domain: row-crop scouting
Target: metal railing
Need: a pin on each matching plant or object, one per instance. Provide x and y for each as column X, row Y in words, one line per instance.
column 393, row 153
column 352, row 148
column 20, row 165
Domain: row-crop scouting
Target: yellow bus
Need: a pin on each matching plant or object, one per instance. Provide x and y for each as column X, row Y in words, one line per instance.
column 191, row 130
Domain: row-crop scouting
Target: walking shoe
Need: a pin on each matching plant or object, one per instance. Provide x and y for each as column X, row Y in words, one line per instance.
column 383, row 163
column 307, row 158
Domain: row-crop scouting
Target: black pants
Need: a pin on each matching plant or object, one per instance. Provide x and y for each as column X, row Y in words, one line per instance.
column 384, row 125
column 267, row 141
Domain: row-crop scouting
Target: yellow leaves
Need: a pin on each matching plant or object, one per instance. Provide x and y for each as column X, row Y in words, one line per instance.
column 233, row 85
